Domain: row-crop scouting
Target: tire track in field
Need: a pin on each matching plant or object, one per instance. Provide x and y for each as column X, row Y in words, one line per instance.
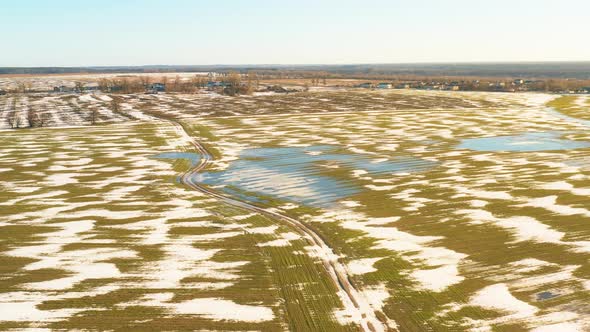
column 355, row 302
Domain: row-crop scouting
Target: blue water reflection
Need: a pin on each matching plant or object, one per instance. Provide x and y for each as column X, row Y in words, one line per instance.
column 194, row 158
column 532, row 141
column 304, row 175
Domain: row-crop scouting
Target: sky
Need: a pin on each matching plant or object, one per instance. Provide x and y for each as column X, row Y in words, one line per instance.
column 205, row 32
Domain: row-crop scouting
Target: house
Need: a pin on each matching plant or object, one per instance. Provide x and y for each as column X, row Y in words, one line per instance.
column 214, row 84
column 454, row 86
column 518, row 81
column 365, row 85
column 403, row 86
column 384, row 86
column 277, row 89
column 157, row 87
column 63, row 88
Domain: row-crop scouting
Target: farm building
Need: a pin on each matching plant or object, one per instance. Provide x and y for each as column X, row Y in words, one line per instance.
column 277, row 89
column 365, row 85
column 63, row 88
column 157, row 87
column 214, row 84
column 454, row 86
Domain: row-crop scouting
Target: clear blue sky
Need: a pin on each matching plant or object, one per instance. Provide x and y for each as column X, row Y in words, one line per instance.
column 138, row 32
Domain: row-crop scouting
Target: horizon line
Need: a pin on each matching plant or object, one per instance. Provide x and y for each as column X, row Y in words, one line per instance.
column 308, row 64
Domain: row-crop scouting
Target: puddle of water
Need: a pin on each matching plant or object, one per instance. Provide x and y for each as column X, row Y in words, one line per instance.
column 534, row 141
column 296, row 174
column 545, row 296
column 194, row 158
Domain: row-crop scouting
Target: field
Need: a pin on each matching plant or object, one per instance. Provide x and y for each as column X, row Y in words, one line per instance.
column 333, row 210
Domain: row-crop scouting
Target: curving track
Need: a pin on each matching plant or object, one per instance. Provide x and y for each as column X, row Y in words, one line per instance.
column 355, row 302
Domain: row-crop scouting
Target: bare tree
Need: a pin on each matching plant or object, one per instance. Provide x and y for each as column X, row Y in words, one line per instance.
column 233, row 82
column 21, row 87
column 116, row 105
column 13, row 117
column 234, row 78
column 104, row 85
column 125, row 85
column 247, row 89
column 196, row 81
column 42, row 119
column 14, row 120
column 79, row 86
column 253, row 77
column 176, row 85
column 164, row 80
column 145, row 81
column 203, row 82
column 17, row 120
column 32, row 118
column 93, row 116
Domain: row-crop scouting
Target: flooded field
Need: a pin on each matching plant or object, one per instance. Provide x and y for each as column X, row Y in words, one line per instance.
column 532, row 141
column 489, row 230
column 302, row 174
column 444, row 212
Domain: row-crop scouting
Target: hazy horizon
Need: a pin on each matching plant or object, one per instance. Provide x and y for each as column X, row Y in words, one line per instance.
column 70, row 33
column 317, row 64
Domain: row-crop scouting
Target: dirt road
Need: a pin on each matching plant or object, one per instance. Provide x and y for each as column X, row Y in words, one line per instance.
column 356, row 303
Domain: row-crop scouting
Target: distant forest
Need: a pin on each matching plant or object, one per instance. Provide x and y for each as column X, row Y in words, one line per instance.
column 539, row 70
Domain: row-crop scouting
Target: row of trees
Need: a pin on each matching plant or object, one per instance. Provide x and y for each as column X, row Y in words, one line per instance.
column 21, row 87
column 32, row 119
column 236, row 83
column 233, row 82
column 251, row 79
column 483, row 83
column 315, row 81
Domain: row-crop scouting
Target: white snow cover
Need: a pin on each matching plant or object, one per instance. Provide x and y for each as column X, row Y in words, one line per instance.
column 560, row 327
column 441, row 259
column 220, row 309
column 498, row 297
column 283, row 240
column 550, row 203
column 211, row 308
column 438, row 279
column 362, row 266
